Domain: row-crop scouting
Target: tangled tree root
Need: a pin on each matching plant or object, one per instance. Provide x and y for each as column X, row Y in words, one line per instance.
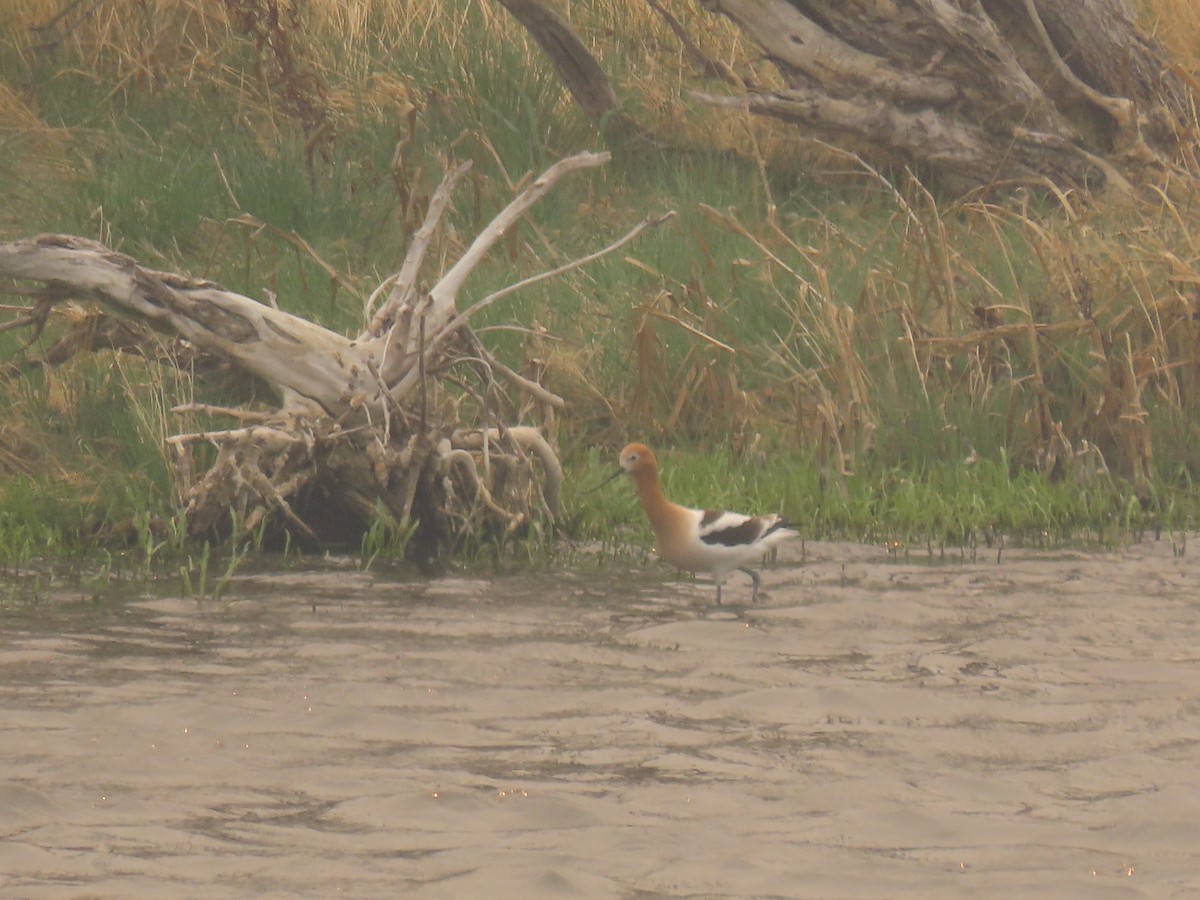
column 401, row 422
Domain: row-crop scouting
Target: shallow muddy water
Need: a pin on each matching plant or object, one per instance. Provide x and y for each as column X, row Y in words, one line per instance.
column 869, row 729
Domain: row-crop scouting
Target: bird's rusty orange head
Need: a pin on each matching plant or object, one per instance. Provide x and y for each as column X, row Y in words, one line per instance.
column 638, row 460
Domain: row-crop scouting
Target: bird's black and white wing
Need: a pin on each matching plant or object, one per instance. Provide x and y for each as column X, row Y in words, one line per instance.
column 729, row 529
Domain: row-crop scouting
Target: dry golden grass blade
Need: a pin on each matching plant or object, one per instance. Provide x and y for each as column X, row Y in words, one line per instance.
column 649, row 365
column 692, row 330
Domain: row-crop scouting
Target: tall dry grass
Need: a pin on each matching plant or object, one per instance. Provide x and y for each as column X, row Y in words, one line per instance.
column 358, row 54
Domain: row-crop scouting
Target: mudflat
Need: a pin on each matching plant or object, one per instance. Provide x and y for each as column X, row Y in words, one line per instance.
column 871, row 728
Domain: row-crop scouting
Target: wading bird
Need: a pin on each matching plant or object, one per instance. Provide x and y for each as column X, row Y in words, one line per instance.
column 700, row 540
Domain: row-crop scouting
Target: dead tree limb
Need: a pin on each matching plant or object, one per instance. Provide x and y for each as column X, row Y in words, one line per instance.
column 577, row 67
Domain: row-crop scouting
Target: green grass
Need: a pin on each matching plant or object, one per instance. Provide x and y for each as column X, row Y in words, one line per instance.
column 948, row 505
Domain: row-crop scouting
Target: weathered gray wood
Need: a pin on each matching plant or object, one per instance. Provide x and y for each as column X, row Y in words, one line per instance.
column 360, row 418
column 1068, row 91
column 440, row 306
column 286, row 351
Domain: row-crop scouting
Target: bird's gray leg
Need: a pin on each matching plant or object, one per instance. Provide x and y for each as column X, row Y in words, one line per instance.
column 754, row 576
column 719, row 583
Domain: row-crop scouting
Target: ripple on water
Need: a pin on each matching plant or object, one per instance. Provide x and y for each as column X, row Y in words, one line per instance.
column 872, row 728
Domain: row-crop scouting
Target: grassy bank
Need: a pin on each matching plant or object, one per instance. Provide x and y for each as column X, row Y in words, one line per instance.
column 807, row 334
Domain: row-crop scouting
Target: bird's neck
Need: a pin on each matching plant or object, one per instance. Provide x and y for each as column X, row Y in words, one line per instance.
column 657, row 507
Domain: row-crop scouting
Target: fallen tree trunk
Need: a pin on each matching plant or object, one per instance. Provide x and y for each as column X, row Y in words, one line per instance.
column 1066, row 92
column 365, row 426
column 1069, row 94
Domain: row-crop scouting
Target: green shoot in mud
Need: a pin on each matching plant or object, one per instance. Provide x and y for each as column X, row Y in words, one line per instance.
column 195, row 577
column 385, row 538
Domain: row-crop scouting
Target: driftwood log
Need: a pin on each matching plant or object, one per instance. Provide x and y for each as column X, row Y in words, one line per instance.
column 365, row 426
column 1068, row 94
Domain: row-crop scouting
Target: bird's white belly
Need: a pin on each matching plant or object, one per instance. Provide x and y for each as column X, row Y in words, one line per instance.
column 696, row 556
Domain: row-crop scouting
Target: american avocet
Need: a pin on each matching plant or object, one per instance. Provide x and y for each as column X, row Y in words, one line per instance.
column 700, row 540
